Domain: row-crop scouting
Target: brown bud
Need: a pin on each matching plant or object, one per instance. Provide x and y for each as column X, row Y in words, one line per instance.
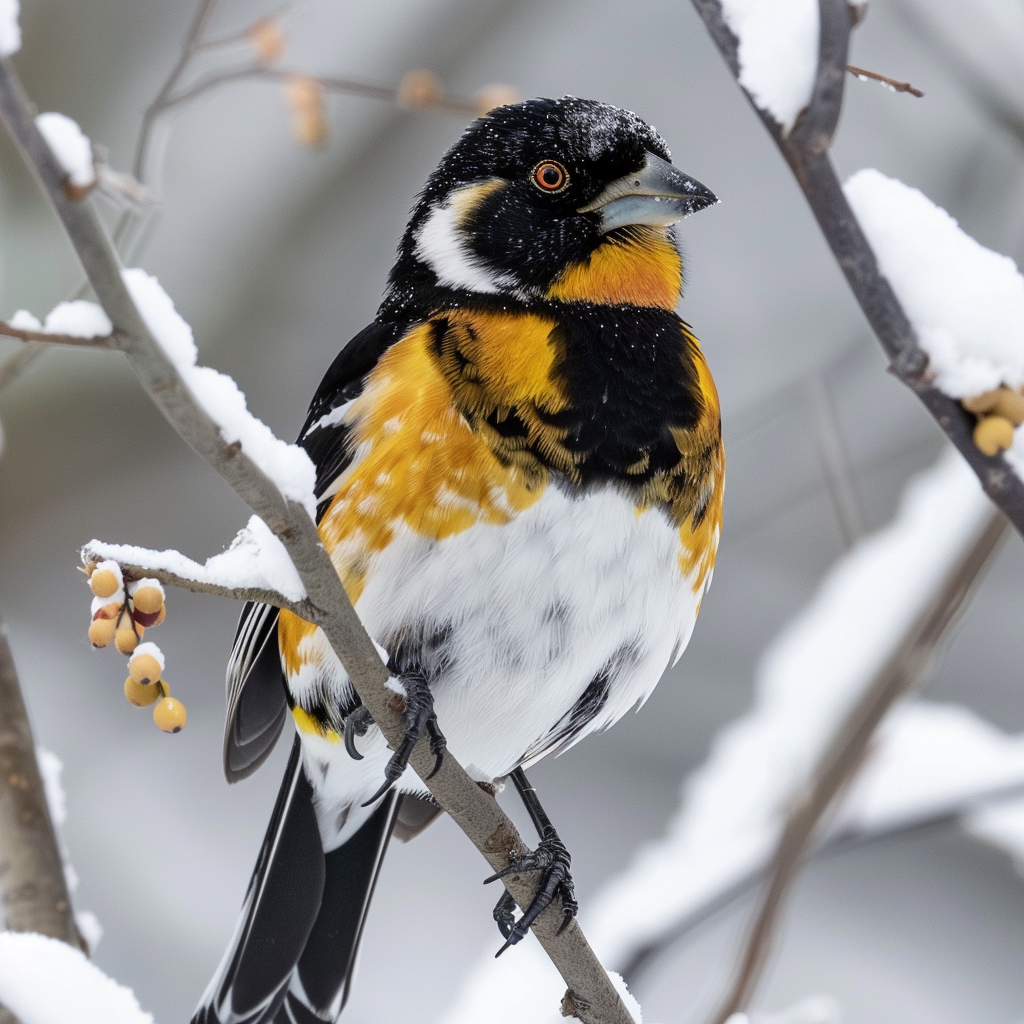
column 101, row 632
column 170, row 715
column 148, row 600
column 496, row 95
column 1011, row 405
column 306, row 100
column 139, row 695
column 125, row 639
column 993, row 434
column 144, row 669
column 267, row 39
column 419, row 88
column 104, row 583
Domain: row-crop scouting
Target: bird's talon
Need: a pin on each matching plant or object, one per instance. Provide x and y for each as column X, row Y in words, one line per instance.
column 357, row 724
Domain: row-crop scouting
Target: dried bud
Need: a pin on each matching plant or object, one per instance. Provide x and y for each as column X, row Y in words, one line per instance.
column 139, row 695
column 306, row 100
column 101, row 632
column 993, row 434
column 419, row 88
column 1011, row 405
column 125, row 639
column 104, row 583
column 148, row 600
column 495, row 95
column 267, row 39
column 170, row 715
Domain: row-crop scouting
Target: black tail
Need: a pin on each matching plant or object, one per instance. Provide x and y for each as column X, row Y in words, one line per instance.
column 293, row 952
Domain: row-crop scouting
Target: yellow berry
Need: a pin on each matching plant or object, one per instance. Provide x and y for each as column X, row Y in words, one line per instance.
column 981, row 403
column 104, row 583
column 148, row 600
column 144, row 669
column 1011, row 405
column 139, row 695
column 419, row 88
column 266, row 39
column 993, row 434
column 169, row 715
column 161, row 615
column 101, row 632
column 497, row 95
column 125, row 639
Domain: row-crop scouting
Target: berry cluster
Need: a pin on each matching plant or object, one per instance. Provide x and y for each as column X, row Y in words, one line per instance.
column 122, row 614
column 998, row 412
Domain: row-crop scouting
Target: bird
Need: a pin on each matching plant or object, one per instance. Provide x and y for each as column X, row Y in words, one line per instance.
column 519, row 481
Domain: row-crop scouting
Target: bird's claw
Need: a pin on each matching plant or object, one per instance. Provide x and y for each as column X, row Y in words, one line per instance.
column 419, row 720
column 552, row 858
column 356, row 725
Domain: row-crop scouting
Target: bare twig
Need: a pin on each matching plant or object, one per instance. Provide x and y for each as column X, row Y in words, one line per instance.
column 33, row 890
column 476, row 812
column 17, row 362
column 46, row 337
column 835, row 463
column 846, row 751
column 806, row 149
column 892, row 83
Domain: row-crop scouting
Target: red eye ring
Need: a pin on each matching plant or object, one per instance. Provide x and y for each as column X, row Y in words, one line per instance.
column 550, row 176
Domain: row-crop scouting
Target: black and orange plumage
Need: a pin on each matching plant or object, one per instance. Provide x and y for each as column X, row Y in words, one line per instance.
column 520, row 477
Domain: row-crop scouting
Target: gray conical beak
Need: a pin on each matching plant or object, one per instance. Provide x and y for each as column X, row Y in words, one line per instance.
column 658, row 194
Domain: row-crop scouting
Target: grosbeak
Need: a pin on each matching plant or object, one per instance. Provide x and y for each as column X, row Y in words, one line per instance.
column 519, row 481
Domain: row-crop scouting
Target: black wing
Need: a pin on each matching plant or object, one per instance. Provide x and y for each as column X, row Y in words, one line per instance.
column 257, row 699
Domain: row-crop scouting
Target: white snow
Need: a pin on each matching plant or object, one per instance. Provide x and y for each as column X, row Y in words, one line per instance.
column 70, row 146
column 152, row 650
column 77, row 319
column 627, row 997
column 45, row 981
column 89, row 928
column 255, row 559
column 287, row 465
column 966, row 302
column 146, row 582
column 778, row 52
column 10, row 30
column 1001, row 825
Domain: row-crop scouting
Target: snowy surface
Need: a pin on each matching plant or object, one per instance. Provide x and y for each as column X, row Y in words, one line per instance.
column 77, row 319
column 286, row 464
column 734, row 806
column 778, row 52
column 256, row 559
column 45, row 981
column 1001, row 824
column 71, row 147
column 812, row 1010
column 10, row 30
column 965, row 301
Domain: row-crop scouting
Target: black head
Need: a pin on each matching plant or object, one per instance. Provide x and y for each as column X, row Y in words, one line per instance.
column 532, row 188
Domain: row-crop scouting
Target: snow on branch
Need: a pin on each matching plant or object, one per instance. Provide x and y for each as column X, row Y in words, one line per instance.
column 72, row 148
column 69, row 323
column 10, row 30
column 45, row 981
column 160, row 348
column 256, row 567
column 805, row 145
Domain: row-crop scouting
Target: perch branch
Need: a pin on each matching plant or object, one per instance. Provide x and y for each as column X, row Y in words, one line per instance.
column 806, row 149
column 476, row 812
column 45, row 337
column 33, row 890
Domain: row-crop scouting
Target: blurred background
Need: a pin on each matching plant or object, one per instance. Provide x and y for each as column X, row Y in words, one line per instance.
column 277, row 254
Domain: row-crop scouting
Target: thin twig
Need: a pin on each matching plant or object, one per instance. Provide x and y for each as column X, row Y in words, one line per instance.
column 892, row 83
column 806, row 149
column 846, row 751
column 19, row 361
column 33, row 889
column 475, row 812
column 48, row 338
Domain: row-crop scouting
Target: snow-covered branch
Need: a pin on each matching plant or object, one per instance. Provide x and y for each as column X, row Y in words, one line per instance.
column 790, row 60
column 209, row 412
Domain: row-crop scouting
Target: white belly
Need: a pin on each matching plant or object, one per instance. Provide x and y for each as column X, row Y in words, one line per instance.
column 512, row 624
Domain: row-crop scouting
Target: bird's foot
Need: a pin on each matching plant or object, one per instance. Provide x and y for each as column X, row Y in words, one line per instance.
column 552, row 859
column 420, row 721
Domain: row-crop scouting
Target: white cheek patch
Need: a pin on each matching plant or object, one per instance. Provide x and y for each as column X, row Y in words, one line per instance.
column 443, row 245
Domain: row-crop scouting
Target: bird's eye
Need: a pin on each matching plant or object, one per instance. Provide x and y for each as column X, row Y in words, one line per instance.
column 550, row 176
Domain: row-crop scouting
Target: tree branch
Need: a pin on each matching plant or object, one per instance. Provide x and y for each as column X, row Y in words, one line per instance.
column 46, row 337
column 33, row 889
column 806, row 149
column 476, row 812
column 846, row 751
